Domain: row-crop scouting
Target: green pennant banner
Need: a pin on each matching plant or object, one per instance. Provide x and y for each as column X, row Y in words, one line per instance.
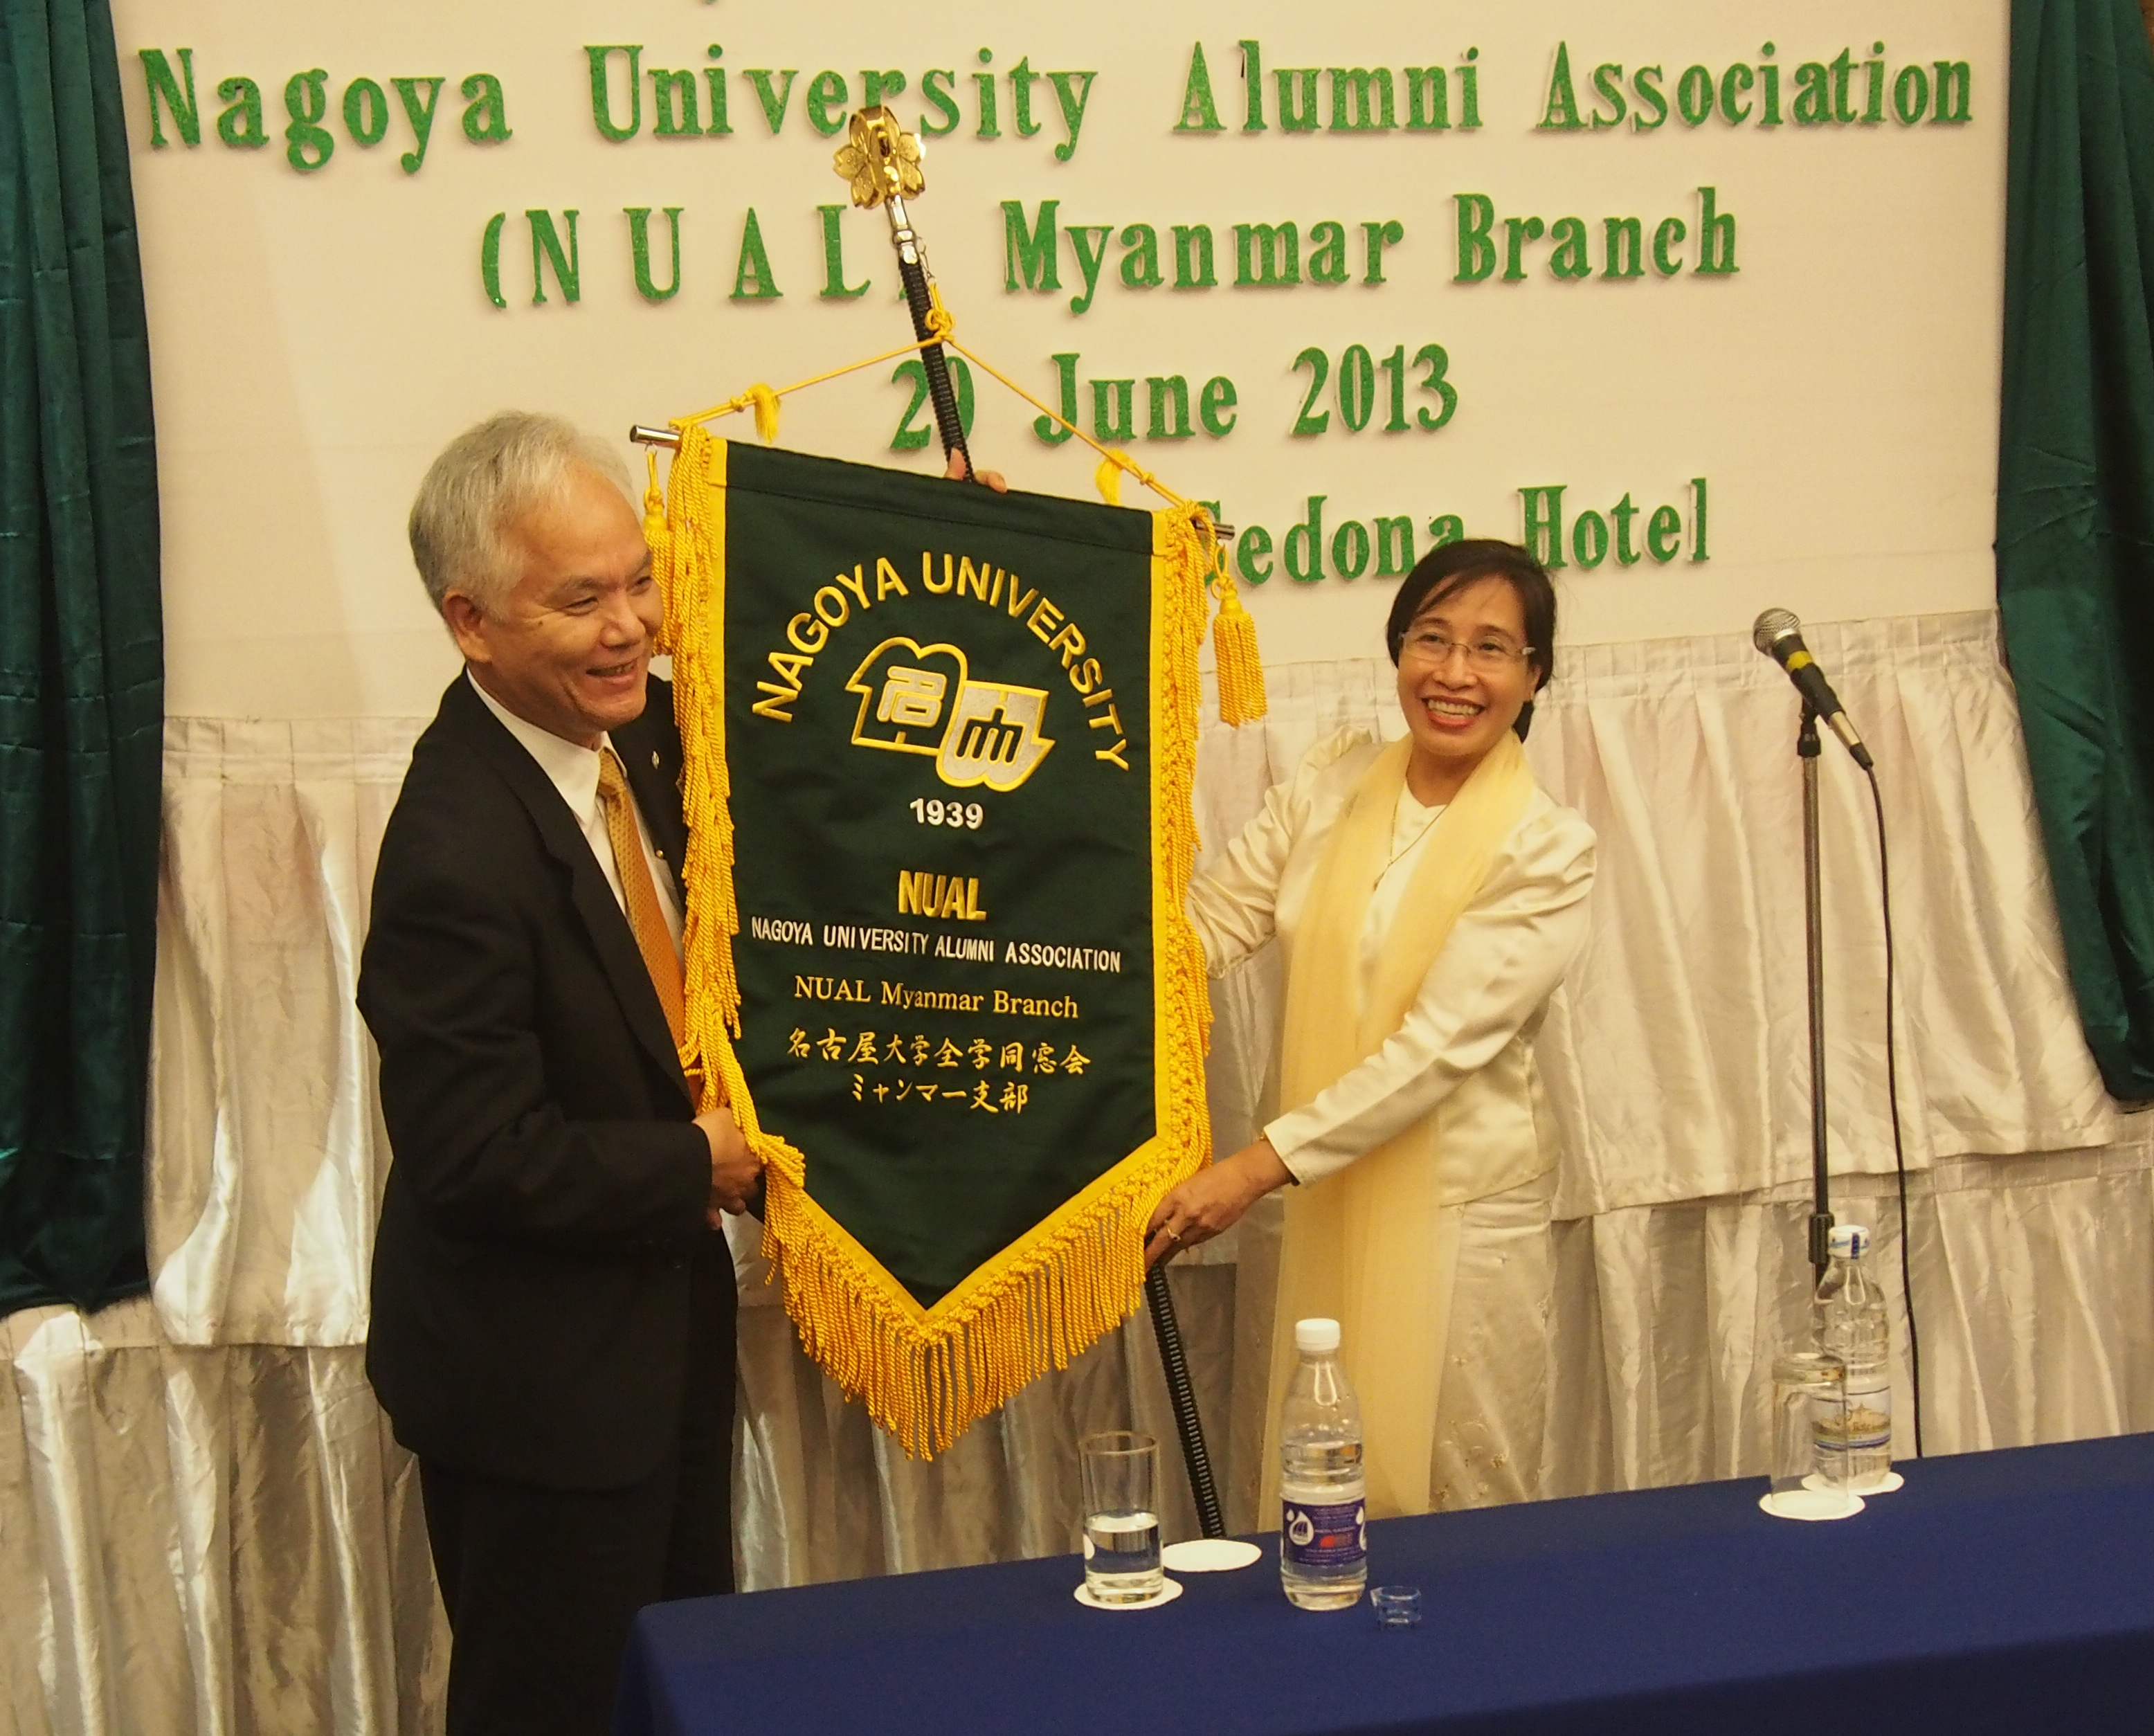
column 954, row 732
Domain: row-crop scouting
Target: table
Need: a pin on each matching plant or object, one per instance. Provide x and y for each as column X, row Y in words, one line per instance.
column 2007, row 1592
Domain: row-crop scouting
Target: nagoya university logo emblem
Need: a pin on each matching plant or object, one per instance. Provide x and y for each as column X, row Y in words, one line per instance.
column 921, row 699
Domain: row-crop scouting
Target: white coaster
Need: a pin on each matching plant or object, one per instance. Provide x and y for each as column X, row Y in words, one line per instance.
column 1210, row 1555
column 1171, row 1590
column 1808, row 1504
column 1885, row 1486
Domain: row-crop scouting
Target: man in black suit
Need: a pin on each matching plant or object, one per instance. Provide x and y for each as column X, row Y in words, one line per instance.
column 553, row 1301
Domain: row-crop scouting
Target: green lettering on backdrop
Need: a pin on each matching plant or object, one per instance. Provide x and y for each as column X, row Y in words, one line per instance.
column 772, row 101
column 1089, row 241
column 1140, row 257
column 1199, row 112
column 419, row 113
column 1193, row 268
column 1362, row 100
column 1646, row 86
column 1561, row 111
column 1113, row 410
column 829, row 102
column 1327, row 252
column 1028, row 252
column 1071, row 96
column 600, row 59
column 489, row 258
column 240, row 126
column 638, row 242
column 834, row 287
column 166, row 96
column 546, row 249
column 1375, row 236
column 1302, row 550
column 675, row 112
column 1166, row 408
column 486, row 110
column 1477, row 245
column 753, row 280
column 1296, row 89
column 1266, row 255
column 1023, row 77
column 308, row 143
column 366, row 112
column 935, row 85
column 714, row 77
column 878, row 88
column 1215, row 409
column 1428, row 105
column 984, row 83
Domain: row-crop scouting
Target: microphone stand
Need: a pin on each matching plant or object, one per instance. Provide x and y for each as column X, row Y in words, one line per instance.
column 1807, row 749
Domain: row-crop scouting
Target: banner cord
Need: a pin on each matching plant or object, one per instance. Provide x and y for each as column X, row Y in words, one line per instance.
column 1239, row 665
column 762, row 400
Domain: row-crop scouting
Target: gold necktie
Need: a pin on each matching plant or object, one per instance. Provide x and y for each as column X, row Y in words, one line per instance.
column 644, row 919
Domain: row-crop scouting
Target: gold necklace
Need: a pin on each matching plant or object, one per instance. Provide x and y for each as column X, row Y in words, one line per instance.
column 1410, row 843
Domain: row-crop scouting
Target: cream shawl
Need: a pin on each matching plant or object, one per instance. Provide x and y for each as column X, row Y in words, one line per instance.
column 1375, row 1246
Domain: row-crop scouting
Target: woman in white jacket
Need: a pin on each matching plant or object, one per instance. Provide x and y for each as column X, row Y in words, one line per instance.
column 1429, row 896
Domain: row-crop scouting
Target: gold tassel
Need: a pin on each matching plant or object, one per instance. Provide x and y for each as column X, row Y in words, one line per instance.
column 1108, row 480
column 1234, row 656
column 766, row 412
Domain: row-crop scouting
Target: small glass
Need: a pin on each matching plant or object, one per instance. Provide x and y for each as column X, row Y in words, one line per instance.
column 1809, row 1398
column 1120, row 1471
column 1395, row 1605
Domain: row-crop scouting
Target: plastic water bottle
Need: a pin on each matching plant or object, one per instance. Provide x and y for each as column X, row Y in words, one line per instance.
column 1323, row 1539
column 1851, row 1325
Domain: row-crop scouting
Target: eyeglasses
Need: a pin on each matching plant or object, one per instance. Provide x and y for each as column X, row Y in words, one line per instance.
column 1489, row 656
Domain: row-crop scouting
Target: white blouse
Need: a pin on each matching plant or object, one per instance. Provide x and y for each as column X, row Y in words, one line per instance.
column 1466, row 1046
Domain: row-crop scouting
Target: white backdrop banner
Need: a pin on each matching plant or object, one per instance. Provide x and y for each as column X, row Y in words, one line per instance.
column 1700, row 299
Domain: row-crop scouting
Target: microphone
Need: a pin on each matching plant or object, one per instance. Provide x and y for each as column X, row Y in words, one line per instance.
column 1779, row 636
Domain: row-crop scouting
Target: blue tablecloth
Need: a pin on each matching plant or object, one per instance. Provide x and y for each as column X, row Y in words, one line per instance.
column 2008, row 1592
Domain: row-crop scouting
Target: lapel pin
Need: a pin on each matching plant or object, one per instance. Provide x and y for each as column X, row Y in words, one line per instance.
column 654, row 759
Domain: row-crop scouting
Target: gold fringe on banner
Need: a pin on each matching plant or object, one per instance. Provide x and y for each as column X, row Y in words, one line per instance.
column 927, row 1373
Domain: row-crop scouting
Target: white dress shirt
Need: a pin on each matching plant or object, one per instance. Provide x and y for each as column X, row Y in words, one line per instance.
column 574, row 771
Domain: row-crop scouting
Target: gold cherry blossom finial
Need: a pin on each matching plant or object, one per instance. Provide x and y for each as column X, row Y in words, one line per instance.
column 880, row 159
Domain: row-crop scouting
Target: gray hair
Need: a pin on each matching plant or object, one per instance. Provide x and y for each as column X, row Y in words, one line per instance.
column 485, row 478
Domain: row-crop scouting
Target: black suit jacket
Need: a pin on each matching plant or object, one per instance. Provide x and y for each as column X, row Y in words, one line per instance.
column 542, row 1272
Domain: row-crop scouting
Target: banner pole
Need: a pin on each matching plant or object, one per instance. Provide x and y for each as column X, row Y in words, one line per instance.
column 881, row 163
column 1183, row 1398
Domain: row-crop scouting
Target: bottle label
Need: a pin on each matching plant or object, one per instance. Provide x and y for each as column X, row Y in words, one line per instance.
column 1867, row 1424
column 1326, row 1535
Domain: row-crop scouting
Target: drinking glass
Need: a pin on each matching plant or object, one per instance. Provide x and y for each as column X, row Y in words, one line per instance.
column 1809, row 1398
column 1121, row 1471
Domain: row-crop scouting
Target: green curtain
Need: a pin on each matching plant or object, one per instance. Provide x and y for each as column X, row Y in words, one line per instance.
column 81, row 667
column 2076, row 493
